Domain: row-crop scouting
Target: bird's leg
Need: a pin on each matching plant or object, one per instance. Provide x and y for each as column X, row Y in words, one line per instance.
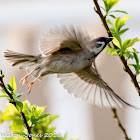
column 24, row 79
column 32, row 82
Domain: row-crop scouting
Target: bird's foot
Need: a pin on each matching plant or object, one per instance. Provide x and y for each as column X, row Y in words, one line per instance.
column 24, row 80
column 30, row 85
column 32, row 82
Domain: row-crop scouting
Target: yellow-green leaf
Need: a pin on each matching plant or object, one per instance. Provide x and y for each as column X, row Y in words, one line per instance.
column 112, row 3
column 123, row 31
column 116, row 42
column 132, row 42
column 1, row 117
column 4, row 95
column 109, row 22
column 12, row 83
column 125, row 18
column 117, row 24
column 42, row 116
column 40, row 110
column 126, row 42
column 10, row 112
column 119, row 11
column 19, row 106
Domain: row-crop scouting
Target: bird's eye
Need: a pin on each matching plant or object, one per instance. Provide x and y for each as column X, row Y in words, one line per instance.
column 100, row 44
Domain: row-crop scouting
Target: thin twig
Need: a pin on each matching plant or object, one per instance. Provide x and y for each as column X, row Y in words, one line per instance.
column 126, row 67
column 119, row 123
column 2, row 85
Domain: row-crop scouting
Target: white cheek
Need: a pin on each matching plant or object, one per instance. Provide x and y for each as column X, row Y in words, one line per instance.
column 97, row 50
column 101, row 43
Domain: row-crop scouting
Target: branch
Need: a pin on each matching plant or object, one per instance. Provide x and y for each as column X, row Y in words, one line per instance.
column 119, row 123
column 126, row 68
column 2, row 85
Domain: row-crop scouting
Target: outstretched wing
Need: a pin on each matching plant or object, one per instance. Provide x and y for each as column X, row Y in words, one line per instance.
column 88, row 85
column 63, row 38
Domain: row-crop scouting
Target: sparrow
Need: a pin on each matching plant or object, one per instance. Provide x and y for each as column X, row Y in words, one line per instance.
column 70, row 54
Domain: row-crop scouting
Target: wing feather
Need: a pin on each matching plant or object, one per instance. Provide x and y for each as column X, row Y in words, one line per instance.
column 63, row 38
column 88, row 85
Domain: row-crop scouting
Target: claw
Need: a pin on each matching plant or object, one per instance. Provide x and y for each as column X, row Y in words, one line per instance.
column 24, row 80
column 31, row 83
column 30, row 86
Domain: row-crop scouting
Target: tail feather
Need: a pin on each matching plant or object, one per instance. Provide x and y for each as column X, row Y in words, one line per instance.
column 18, row 58
column 25, row 61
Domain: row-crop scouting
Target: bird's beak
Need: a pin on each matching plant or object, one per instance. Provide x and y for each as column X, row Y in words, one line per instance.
column 108, row 40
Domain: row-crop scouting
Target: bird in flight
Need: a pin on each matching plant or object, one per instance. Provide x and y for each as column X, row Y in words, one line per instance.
column 70, row 54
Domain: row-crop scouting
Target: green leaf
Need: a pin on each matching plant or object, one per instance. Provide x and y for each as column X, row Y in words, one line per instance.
column 119, row 11
column 109, row 22
column 109, row 45
column 10, row 113
column 51, row 118
column 13, row 84
column 117, row 24
column 123, row 21
column 136, row 67
column 123, row 31
column 132, row 42
column 135, row 56
column 1, row 117
column 112, row 30
column 3, row 91
column 9, row 88
column 42, row 116
column 26, row 106
column 30, row 123
column 106, row 6
column 18, row 95
column 65, row 136
column 116, row 42
column 112, row 16
column 33, row 111
column 21, row 132
column 40, row 110
column 111, row 51
column 125, row 18
column 129, row 54
column 102, row 8
column 17, row 124
column 4, row 96
column 112, row 3
column 33, row 119
column 116, row 35
column 19, row 106
column 126, row 42
column 51, row 130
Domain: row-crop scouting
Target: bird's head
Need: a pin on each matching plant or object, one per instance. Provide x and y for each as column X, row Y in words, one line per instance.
column 99, row 44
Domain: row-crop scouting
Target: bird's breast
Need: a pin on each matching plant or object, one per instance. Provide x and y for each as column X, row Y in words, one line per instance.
column 67, row 63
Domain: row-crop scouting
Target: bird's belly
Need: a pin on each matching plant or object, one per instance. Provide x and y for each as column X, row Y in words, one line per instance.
column 66, row 64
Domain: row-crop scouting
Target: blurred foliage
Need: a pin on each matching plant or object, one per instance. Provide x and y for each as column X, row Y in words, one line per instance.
column 39, row 122
column 108, row 5
column 123, row 48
